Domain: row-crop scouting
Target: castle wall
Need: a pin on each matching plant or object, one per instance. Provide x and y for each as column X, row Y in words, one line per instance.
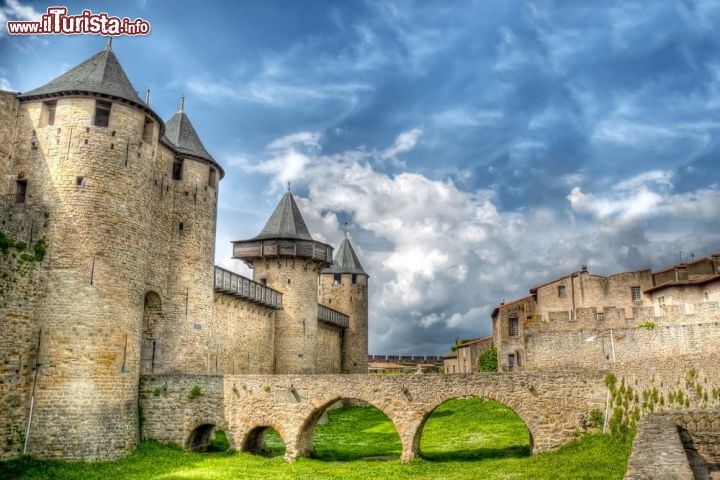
column 329, row 348
column 549, row 346
column 351, row 299
column 8, row 121
column 296, row 325
column 247, row 333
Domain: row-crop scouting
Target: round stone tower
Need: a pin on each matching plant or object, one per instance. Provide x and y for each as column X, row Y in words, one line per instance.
column 285, row 257
column 97, row 158
column 344, row 287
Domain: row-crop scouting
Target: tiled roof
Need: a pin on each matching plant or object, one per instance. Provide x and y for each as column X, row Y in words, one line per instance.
column 285, row 222
column 181, row 134
column 345, row 260
column 697, row 280
column 100, row 74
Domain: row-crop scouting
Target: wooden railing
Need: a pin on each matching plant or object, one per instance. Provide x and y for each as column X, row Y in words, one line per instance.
column 333, row 317
column 234, row 284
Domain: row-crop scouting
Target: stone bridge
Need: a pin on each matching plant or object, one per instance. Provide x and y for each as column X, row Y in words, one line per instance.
column 186, row 408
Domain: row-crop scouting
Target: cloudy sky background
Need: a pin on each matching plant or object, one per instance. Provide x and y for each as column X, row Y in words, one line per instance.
column 475, row 149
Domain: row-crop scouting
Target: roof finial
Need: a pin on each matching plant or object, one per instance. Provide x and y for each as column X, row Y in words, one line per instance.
column 346, row 223
column 182, row 102
column 147, row 96
column 288, row 187
column 108, row 46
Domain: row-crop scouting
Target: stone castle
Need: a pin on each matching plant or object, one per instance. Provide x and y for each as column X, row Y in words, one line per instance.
column 108, row 231
column 589, row 321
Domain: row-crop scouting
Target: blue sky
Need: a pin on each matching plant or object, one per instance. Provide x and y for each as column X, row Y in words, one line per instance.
column 475, row 149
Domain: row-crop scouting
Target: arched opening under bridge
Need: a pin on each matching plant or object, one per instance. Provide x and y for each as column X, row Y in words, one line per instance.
column 473, row 428
column 350, row 429
column 264, row 440
column 207, row 438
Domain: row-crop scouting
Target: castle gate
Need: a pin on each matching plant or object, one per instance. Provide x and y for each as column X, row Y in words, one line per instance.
column 552, row 405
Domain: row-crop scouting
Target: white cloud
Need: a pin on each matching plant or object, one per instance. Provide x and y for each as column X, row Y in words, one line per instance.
column 15, row 10
column 404, row 142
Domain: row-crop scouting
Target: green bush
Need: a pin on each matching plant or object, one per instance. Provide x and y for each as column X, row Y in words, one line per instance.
column 487, row 361
column 195, row 392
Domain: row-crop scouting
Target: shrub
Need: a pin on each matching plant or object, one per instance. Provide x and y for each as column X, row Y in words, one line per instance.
column 487, row 361
column 195, row 392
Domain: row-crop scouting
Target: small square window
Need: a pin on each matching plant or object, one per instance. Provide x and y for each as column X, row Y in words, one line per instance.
column 561, row 291
column 102, row 113
column 513, row 327
column 80, row 181
column 600, row 316
column 635, row 293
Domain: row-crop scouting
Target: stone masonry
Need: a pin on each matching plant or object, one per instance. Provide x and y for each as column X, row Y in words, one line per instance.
column 553, row 405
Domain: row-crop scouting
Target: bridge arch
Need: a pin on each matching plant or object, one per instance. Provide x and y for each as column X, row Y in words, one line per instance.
column 200, row 436
column 305, row 437
column 253, row 441
column 416, row 448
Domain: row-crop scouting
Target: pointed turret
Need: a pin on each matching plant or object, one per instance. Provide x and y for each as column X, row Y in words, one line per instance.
column 285, row 257
column 100, row 74
column 344, row 286
column 286, row 221
column 345, row 260
column 180, row 132
column 284, row 234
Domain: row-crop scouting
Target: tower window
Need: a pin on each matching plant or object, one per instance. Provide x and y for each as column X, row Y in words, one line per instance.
column 147, row 130
column 47, row 117
column 211, row 178
column 80, row 181
column 102, row 113
column 20, row 191
column 337, row 279
column 354, row 278
column 177, row 169
column 181, row 227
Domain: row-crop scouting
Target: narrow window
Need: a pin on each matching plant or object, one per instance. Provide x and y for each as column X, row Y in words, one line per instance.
column 181, row 227
column 513, row 327
column 600, row 316
column 354, row 278
column 20, row 191
column 102, row 113
column 707, row 296
column 47, row 117
column 148, row 130
column 661, row 300
column 635, row 293
column 337, row 279
column 561, row 291
column 511, row 360
column 211, row 178
column 177, row 169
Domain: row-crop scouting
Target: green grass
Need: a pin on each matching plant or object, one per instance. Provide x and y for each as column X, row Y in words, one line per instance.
column 474, row 429
column 462, row 439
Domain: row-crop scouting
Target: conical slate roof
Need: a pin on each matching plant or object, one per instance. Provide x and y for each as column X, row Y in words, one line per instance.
column 100, row 74
column 345, row 260
column 285, row 222
column 180, row 132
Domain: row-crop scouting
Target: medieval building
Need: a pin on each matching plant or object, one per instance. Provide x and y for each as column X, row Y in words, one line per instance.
column 588, row 321
column 108, row 219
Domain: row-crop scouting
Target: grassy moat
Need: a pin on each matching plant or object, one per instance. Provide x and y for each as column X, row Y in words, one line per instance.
column 463, row 438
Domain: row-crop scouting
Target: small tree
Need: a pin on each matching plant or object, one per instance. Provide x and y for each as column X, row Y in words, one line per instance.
column 487, row 361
